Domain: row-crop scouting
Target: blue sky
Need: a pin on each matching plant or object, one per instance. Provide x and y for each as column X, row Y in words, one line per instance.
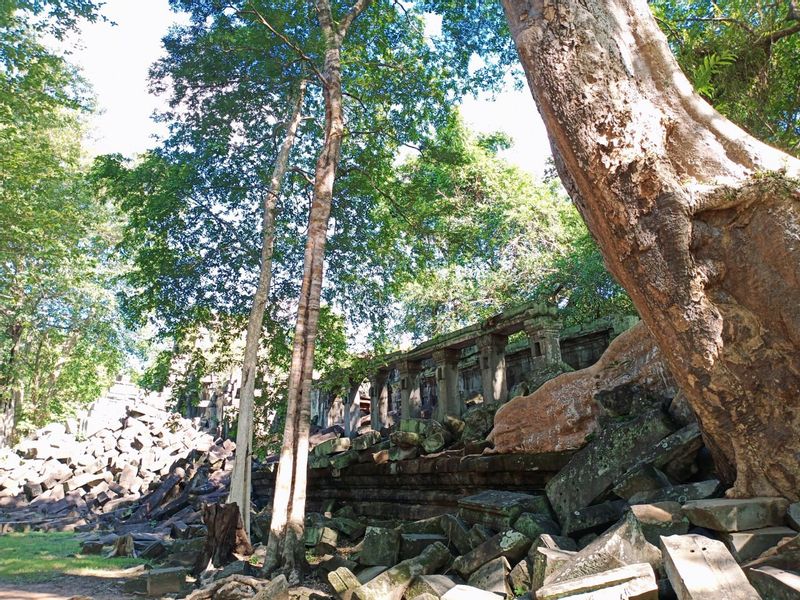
column 115, row 60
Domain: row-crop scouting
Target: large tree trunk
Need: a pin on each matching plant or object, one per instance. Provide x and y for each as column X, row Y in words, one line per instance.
column 699, row 221
column 285, row 546
column 240, row 478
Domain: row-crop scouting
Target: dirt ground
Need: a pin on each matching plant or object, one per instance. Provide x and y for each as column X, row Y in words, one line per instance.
column 66, row 587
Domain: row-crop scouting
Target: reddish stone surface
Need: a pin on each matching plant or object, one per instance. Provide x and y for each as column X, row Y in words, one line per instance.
column 560, row 414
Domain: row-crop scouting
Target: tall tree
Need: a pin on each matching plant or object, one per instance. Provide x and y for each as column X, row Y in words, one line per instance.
column 697, row 220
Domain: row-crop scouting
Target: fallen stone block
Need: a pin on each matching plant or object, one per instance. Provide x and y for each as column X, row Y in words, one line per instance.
column 343, row 582
column 396, row 453
column 499, row 509
column 436, row 442
column 277, row 589
column 747, row 545
column 723, row 514
column 662, row 518
column 545, row 562
column 370, row 573
column 700, row 568
column 344, row 459
column 493, row 577
column 332, row 446
column 644, row 478
column 467, row 592
column 520, row 577
column 456, row 531
column 793, row 515
column 632, row 582
column 418, row 426
column 436, row 585
column 532, row 525
column 681, row 494
column 165, row 581
column 412, row 544
column 425, row 596
column 593, row 470
column 511, row 544
column 366, row 440
column 392, row 584
column 775, row 584
column 479, row 534
column 380, row 547
column 432, row 526
column 594, row 517
column 621, row 545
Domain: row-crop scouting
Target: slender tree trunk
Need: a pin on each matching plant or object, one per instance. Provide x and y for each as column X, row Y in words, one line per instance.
column 699, row 221
column 285, row 546
column 240, row 478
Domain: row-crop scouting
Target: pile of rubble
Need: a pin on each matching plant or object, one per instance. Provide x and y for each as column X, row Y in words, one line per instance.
column 150, row 465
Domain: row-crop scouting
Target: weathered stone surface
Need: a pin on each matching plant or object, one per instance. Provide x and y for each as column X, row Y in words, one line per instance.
column 723, row 514
column 425, row 596
column 478, row 421
column 380, row 547
column 793, row 515
column 493, row 577
column 622, row 545
column 644, row 478
column 418, row 426
column 593, row 517
column 632, row 582
column 466, row 592
column 343, row 582
column 681, row 494
column 511, row 544
column 532, row 525
column 499, row 509
column 343, row 459
column 456, row 532
column 365, row 440
column 562, row 412
column 370, row 573
column 478, row 534
column 662, row 518
column 747, row 545
column 165, row 581
column 332, row 446
column 412, row 544
column 700, row 568
column 392, row 584
column 406, row 439
column 545, row 562
column 775, row 584
column 437, row 585
column 435, row 442
column 276, row 589
column 592, row 471
column 432, row 525
column 520, row 577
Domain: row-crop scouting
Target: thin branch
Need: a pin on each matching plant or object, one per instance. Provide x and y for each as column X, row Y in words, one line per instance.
column 351, row 15
column 771, row 38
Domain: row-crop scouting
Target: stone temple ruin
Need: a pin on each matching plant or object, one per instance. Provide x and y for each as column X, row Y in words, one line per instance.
column 440, row 478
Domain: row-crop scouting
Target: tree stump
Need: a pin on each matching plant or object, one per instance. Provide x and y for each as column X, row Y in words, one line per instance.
column 226, row 536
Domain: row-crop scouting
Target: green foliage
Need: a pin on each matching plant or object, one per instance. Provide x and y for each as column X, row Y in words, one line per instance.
column 744, row 56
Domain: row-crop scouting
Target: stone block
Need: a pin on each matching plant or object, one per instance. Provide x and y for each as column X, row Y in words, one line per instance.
column 533, row 525
column 793, row 516
column 681, row 494
column 412, row 544
column 380, row 547
column 499, row 509
column 418, row 426
column 425, row 596
column 621, row 545
column 343, row 582
column 436, row 585
column 332, row 446
column 662, row 518
column 493, row 577
column 467, row 592
column 366, row 440
column 479, row 534
column 392, row 584
column 405, row 439
column 520, row 577
column 632, row 582
column 747, row 545
column 434, row 443
column 644, row 478
column 432, row 525
column 277, row 589
column 370, row 573
column 593, row 471
column 165, row 581
column 545, row 562
column 344, row 459
column 396, row 453
column 700, row 568
column 775, row 584
column 723, row 514
column 511, row 544
column 350, row 527
column 598, row 516
column 456, row 532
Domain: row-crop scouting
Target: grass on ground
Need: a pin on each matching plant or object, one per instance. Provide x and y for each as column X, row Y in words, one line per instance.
column 36, row 557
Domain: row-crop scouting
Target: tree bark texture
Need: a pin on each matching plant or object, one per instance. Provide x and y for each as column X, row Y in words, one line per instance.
column 285, row 547
column 699, row 221
column 240, row 478
column 226, row 536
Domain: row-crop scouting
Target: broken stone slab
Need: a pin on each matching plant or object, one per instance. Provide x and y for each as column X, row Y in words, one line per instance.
column 366, row 440
column 392, row 584
column 344, row 459
column 405, row 439
column 332, row 446
column 165, row 581
column 724, row 514
column 643, row 478
column 343, row 582
column 276, row 589
column 436, row 585
column 533, row 525
column 370, row 573
column 456, row 532
column 396, row 453
column 467, row 592
column 436, row 442
column 594, row 469
column 350, row 527
column 511, row 544
column 520, row 577
column 545, row 562
column 493, row 577
column 621, row 545
column 418, row 426
column 598, row 516
column 747, row 545
column 774, row 584
column 700, row 568
column 425, row 596
column 681, row 494
column 412, row 544
column 381, row 546
column 479, row 534
column 793, row 515
column 661, row 518
column 632, row 582
column 432, row 525
column 499, row 509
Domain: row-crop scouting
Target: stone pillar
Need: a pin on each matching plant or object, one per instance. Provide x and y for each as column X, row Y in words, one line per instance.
column 492, row 349
column 352, row 410
column 379, row 400
column 449, row 402
column 410, row 397
column 543, row 334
